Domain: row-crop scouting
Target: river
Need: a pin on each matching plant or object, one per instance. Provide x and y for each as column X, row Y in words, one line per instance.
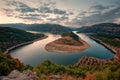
column 35, row 53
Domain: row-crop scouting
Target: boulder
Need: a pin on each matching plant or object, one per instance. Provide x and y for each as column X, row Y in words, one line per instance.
column 25, row 75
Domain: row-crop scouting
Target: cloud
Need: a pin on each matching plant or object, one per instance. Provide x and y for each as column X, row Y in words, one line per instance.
column 82, row 13
column 58, row 19
column 108, row 16
column 58, row 11
column 54, row 11
column 34, row 15
column 41, row 10
column 22, row 10
column 30, row 18
column 22, row 7
column 97, row 16
column 101, row 7
column 71, row 13
column 8, row 12
column 26, row 9
column 44, row 9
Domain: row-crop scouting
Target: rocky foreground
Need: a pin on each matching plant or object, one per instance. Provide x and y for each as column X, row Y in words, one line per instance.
column 77, row 69
column 85, row 60
column 29, row 75
column 25, row 75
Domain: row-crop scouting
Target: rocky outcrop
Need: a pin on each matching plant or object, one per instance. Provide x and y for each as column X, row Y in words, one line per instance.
column 84, row 61
column 25, row 75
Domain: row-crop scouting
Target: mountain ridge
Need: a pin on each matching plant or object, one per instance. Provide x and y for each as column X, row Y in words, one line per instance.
column 103, row 28
column 52, row 28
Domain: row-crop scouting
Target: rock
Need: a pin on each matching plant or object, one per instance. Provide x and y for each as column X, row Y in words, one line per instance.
column 5, row 78
column 23, row 77
column 16, row 75
column 85, row 60
column 55, row 77
column 31, row 74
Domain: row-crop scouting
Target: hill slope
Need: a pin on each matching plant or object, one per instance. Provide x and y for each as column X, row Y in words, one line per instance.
column 104, row 28
column 11, row 36
column 17, row 25
column 52, row 28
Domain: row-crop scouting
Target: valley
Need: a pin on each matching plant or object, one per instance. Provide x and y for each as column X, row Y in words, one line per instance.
column 59, row 39
column 89, row 53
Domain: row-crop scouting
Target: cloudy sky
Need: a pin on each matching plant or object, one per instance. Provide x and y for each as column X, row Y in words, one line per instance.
column 66, row 12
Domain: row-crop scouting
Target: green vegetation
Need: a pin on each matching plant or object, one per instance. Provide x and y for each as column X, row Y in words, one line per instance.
column 7, row 64
column 71, row 34
column 16, row 25
column 108, row 71
column 107, row 32
column 8, row 38
column 69, row 38
column 11, row 36
column 103, row 28
column 111, row 40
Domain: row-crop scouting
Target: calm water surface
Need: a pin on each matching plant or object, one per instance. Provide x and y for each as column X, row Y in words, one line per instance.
column 35, row 53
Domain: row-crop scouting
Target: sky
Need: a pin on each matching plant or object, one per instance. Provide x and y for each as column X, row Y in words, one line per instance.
column 74, row 13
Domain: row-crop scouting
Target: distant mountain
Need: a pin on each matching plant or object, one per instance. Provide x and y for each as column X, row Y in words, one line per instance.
column 17, row 25
column 11, row 36
column 52, row 28
column 103, row 28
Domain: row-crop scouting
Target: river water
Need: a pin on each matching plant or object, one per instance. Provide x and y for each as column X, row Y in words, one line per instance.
column 35, row 53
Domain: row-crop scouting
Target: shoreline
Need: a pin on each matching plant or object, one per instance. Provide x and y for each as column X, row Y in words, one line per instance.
column 62, row 48
column 104, row 44
column 116, row 51
column 22, row 44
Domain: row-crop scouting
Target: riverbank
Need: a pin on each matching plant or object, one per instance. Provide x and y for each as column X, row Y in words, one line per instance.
column 114, row 49
column 22, row 44
column 71, row 46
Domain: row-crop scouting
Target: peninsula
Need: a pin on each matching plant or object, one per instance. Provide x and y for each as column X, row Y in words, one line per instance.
column 68, row 43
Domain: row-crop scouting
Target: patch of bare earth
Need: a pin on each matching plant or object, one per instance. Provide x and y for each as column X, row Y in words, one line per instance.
column 67, row 45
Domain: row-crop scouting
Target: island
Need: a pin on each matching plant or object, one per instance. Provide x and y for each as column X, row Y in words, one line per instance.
column 68, row 43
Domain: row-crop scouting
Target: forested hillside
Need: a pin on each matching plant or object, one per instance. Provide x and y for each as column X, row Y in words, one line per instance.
column 17, row 25
column 11, row 36
column 104, row 28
